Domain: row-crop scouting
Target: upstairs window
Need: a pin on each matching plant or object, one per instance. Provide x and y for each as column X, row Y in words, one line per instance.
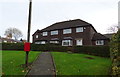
column 79, row 29
column 67, row 31
column 36, row 36
column 100, row 42
column 54, row 32
column 44, row 33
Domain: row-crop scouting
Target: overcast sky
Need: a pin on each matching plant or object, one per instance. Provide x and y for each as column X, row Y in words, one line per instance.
column 14, row 13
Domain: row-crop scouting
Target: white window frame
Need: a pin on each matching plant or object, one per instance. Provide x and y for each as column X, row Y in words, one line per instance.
column 67, row 31
column 68, row 42
column 56, row 42
column 55, row 32
column 99, row 42
column 36, row 36
column 43, row 42
column 40, row 42
column 44, row 33
column 5, row 41
column 79, row 29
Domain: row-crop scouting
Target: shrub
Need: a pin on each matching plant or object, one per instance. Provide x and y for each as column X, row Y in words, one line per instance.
column 93, row 50
column 115, row 54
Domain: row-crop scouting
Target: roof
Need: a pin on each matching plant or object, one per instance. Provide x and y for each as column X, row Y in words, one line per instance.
column 67, row 24
column 98, row 36
column 108, row 35
column 9, row 40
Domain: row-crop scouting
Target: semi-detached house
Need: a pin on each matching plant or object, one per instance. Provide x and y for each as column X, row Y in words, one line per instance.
column 70, row 33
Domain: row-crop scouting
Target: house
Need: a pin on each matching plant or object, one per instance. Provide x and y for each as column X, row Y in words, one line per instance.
column 8, row 40
column 70, row 33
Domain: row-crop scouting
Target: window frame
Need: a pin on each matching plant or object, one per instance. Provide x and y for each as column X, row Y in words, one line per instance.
column 99, row 42
column 67, row 41
column 36, row 36
column 65, row 31
column 55, row 32
column 44, row 33
column 54, row 41
column 79, row 29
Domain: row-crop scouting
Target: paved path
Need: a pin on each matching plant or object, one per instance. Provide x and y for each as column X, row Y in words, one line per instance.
column 43, row 65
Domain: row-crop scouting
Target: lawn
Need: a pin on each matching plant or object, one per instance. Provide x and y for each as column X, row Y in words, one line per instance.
column 12, row 61
column 80, row 64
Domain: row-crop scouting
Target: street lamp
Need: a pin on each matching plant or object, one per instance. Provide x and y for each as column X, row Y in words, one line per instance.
column 28, row 35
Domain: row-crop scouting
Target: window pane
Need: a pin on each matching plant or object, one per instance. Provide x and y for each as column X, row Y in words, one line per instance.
column 54, row 32
column 66, row 31
column 66, row 43
column 80, row 29
column 44, row 33
column 100, row 42
column 36, row 36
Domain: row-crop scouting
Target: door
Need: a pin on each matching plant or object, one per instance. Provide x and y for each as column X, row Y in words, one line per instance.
column 79, row 42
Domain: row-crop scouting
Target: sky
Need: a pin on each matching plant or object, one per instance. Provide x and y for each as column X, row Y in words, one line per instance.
column 14, row 13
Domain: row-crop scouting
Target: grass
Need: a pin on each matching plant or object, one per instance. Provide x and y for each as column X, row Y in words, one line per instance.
column 78, row 64
column 12, row 60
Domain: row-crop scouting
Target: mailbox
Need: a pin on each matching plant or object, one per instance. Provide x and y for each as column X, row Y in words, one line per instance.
column 27, row 47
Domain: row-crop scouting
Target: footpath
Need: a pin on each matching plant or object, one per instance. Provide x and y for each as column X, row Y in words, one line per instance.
column 44, row 65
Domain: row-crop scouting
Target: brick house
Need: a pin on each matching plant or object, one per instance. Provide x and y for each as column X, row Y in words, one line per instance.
column 69, row 33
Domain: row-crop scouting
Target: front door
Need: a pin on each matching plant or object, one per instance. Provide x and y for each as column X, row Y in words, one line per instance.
column 79, row 42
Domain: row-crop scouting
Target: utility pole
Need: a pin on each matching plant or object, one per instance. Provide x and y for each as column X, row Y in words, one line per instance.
column 29, row 26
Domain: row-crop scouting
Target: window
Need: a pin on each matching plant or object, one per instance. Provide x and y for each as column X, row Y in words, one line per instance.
column 100, row 42
column 44, row 33
column 79, row 29
column 66, row 43
column 40, row 42
column 36, row 36
column 79, row 42
column 5, row 41
column 54, row 42
column 54, row 32
column 66, row 31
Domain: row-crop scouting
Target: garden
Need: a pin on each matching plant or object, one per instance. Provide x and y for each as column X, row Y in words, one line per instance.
column 66, row 63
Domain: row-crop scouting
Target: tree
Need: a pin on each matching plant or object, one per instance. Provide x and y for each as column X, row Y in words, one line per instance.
column 113, row 29
column 13, row 32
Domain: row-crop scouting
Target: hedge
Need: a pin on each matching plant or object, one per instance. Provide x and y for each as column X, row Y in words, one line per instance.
column 34, row 47
column 48, row 47
column 12, row 46
column 115, row 54
column 93, row 50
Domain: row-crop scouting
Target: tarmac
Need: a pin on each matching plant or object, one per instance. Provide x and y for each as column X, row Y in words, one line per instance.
column 43, row 66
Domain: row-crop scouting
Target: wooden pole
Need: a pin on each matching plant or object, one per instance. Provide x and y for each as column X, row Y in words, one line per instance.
column 29, row 26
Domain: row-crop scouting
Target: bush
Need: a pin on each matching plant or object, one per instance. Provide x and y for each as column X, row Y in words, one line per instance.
column 115, row 54
column 93, row 50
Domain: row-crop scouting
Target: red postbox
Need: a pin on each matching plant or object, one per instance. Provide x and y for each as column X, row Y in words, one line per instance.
column 27, row 47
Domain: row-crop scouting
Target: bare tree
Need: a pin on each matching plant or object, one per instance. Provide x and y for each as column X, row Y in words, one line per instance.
column 13, row 32
column 113, row 29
